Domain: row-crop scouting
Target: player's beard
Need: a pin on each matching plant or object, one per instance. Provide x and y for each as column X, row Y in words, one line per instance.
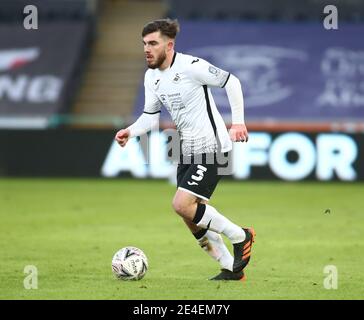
column 159, row 61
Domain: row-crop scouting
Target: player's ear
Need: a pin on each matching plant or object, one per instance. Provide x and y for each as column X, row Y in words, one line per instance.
column 170, row 45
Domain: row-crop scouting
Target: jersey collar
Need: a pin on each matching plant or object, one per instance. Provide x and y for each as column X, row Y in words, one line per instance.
column 174, row 58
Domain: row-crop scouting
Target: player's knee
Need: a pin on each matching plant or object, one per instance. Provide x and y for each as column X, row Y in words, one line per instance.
column 180, row 207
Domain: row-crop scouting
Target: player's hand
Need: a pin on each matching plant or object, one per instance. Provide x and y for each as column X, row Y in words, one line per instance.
column 122, row 137
column 238, row 133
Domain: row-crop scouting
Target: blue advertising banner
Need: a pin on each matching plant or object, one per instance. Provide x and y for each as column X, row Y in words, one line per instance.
column 288, row 71
column 286, row 156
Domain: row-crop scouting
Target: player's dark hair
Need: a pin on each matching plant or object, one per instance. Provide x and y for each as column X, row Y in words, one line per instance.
column 167, row 27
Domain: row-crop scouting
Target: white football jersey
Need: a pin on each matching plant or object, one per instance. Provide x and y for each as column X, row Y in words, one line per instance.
column 183, row 89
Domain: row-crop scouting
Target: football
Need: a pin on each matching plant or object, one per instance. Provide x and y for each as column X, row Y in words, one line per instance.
column 129, row 263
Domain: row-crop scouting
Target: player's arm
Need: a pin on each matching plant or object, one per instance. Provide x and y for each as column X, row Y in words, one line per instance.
column 149, row 120
column 145, row 123
column 206, row 74
column 238, row 130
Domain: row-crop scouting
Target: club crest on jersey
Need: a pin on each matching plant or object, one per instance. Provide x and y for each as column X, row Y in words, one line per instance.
column 177, row 78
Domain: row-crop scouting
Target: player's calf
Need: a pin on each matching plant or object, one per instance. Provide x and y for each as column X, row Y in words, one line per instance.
column 184, row 205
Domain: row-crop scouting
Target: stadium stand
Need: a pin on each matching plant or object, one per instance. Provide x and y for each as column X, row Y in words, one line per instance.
column 267, row 44
column 41, row 68
column 275, row 10
column 116, row 66
column 107, row 67
column 49, row 10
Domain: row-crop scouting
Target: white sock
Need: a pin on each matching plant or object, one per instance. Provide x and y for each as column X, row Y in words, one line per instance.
column 215, row 247
column 209, row 218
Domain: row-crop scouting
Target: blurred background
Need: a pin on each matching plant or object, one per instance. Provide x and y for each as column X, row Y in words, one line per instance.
column 69, row 85
column 70, row 197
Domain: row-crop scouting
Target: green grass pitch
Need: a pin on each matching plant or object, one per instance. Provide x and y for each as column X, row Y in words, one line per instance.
column 70, row 228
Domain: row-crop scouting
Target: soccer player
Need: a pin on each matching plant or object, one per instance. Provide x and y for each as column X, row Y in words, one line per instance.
column 180, row 83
